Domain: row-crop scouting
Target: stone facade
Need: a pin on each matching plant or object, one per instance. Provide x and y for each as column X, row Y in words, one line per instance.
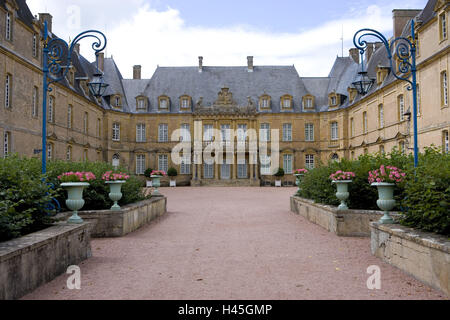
column 341, row 123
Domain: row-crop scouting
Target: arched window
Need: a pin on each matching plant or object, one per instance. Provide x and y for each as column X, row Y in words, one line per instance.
column 116, row 160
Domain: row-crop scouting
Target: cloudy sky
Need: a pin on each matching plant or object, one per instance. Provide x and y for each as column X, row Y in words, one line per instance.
column 306, row 34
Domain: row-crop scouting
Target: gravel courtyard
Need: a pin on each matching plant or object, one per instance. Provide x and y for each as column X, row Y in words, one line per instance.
column 233, row 243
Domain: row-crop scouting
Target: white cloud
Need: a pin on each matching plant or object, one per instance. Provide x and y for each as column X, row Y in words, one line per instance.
column 149, row 37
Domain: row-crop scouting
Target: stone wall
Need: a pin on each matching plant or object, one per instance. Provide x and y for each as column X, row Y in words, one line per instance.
column 425, row 256
column 33, row 260
column 348, row 223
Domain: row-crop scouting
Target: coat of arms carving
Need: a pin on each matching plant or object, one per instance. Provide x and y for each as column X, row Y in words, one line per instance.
column 225, row 98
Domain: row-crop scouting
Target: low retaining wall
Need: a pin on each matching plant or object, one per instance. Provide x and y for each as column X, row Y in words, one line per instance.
column 108, row 224
column 348, row 223
column 425, row 256
column 33, row 260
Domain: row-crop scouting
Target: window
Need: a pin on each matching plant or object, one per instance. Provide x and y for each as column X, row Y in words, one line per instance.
column 185, row 132
column 8, row 85
column 164, row 103
column 286, row 102
column 69, row 153
column 35, row 45
column 85, row 123
column 185, row 102
column 264, row 132
column 352, row 127
column 163, row 133
column 444, row 88
column 35, row 102
column 163, row 162
column 208, row 171
column 116, row 160
column 308, row 102
column 117, row 102
column 402, row 146
column 382, row 151
column 225, row 171
column 116, row 132
column 287, row 163
column 419, row 107
column 445, row 141
column 287, row 132
column 265, row 165
column 264, row 102
column 141, row 105
column 208, row 132
column 365, row 123
column 140, row 132
column 334, row 131
column 381, row 116
column 50, row 151
column 443, row 26
column 309, row 132
column 6, row 144
column 242, row 132
column 85, row 155
column 51, row 109
column 310, row 161
column 185, row 167
column 401, row 107
column 8, row 28
column 140, row 164
column 333, row 101
column 242, row 170
column 225, row 132
column 99, row 128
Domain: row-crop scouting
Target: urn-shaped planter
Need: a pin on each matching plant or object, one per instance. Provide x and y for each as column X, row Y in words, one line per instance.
column 298, row 182
column 75, row 199
column 386, row 201
column 156, row 182
column 342, row 192
column 115, row 194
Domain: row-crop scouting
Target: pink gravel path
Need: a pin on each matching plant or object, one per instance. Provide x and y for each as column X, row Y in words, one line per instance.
column 233, row 243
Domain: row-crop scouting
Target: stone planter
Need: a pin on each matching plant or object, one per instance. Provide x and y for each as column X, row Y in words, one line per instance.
column 342, row 192
column 75, row 199
column 156, row 183
column 298, row 181
column 386, row 200
column 115, row 193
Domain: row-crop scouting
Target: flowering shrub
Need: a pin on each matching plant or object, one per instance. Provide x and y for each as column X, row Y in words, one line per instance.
column 341, row 175
column 159, row 173
column 76, row 177
column 301, row 171
column 110, row 176
column 387, row 174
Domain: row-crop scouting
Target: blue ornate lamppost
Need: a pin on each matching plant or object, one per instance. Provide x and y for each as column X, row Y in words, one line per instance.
column 57, row 60
column 403, row 51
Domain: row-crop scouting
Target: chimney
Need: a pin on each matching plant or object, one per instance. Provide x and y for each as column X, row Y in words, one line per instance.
column 250, row 63
column 355, row 54
column 46, row 17
column 137, row 72
column 369, row 51
column 401, row 17
column 200, row 64
column 101, row 61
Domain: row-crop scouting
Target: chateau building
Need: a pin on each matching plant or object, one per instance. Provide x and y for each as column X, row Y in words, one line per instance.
column 319, row 119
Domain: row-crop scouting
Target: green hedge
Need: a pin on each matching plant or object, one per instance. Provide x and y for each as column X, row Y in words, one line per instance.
column 423, row 197
column 24, row 196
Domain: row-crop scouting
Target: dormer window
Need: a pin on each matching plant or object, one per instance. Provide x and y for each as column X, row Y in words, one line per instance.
column 264, row 102
column 35, row 45
column 443, row 26
column 117, row 101
column 141, row 103
column 71, row 76
column 8, row 27
column 382, row 73
column 352, row 92
column 164, row 103
column 185, row 102
column 333, row 100
column 308, row 102
column 286, row 102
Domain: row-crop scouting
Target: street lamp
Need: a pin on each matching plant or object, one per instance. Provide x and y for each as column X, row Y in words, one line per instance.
column 403, row 52
column 363, row 84
column 57, row 60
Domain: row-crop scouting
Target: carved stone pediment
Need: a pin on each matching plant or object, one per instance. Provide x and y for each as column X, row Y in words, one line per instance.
column 226, row 110
column 225, row 98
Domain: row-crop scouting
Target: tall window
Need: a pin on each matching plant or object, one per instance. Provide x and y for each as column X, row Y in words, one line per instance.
column 287, row 132
column 6, row 143
column 85, row 122
column 163, row 133
column 50, row 151
column 163, row 162
column 287, row 163
column 242, row 132
column 99, row 128
column 69, row 153
column 365, row 123
column 444, row 88
column 140, row 132
column 207, row 132
column 225, row 132
column 8, row 29
column 116, row 131
column 8, row 85
column 401, row 107
column 85, row 155
column 208, row 171
column 334, row 131
column 445, row 141
column 443, row 26
column 34, row 103
column 419, row 107
column 381, row 116
column 382, row 151
column 264, row 132
column 352, row 127
column 51, row 109
column 117, row 101
column 265, row 165
column 309, row 163
column 69, row 116
column 140, row 164
column 35, row 45
column 185, row 132
column 309, row 132
column 185, row 167
column 242, row 169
